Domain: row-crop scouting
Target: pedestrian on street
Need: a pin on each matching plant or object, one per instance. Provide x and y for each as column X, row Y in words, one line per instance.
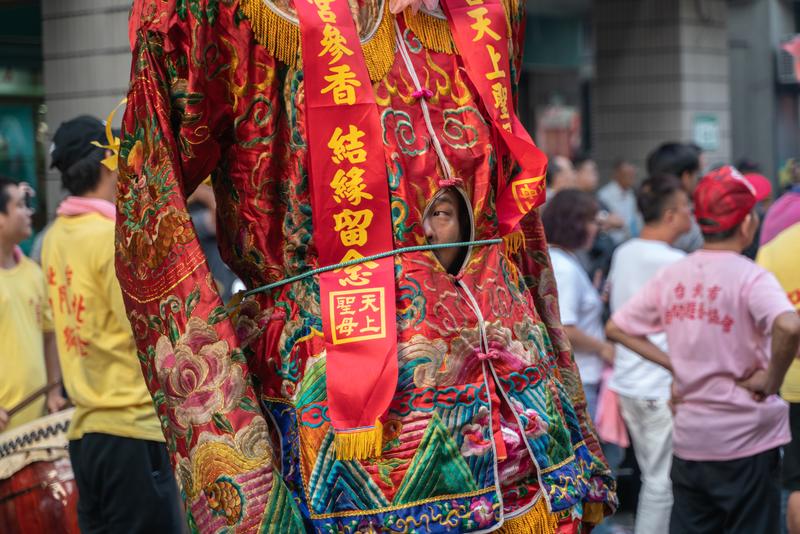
column 116, row 446
column 644, row 387
column 779, row 256
column 719, row 311
column 684, row 161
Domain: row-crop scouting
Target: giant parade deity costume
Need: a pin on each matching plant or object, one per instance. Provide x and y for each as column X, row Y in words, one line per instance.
column 359, row 386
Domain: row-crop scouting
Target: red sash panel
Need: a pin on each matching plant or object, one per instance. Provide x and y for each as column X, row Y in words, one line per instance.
column 480, row 32
column 352, row 220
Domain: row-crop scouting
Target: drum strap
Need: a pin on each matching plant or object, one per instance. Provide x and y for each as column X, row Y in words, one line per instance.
column 32, row 397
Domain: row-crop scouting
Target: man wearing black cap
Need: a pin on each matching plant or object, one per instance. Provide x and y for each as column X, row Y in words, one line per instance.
column 116, row 445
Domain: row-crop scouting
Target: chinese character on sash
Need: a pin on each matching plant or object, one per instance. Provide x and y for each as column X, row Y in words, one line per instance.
column 481, row 24
column 333, row 43
column 352, row 226
column 526, row 192
column 357, row 315
column 347, row 146
column 342, row 83
column 356, row 275
column 349, row 186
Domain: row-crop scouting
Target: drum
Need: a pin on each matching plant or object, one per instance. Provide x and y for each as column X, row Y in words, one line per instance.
column 37, row 487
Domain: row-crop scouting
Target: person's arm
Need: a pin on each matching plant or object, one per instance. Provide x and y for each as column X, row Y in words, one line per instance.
column 55, row 400
column 582, row 341
column 785, row 344
column 638, row 344
column 610, row 221
column 773, row 315
column 204, row 195
column 638, row 318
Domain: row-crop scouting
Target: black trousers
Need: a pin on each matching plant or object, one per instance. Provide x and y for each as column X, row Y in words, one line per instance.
column 791, row 452
column 734, row 497
column 124, row 485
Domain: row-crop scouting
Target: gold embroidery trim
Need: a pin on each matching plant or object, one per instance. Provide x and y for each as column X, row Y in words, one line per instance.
column 165, row 291
column 392, row 508
column 281, row 38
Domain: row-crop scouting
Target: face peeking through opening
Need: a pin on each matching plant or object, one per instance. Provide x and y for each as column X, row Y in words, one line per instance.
column 446, row 220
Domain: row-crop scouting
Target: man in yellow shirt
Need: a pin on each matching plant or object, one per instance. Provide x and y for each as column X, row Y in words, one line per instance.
column 116, row 444
column 779, row 256
column 25, row 322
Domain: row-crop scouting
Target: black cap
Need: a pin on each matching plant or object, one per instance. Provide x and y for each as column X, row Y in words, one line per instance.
column 73, row 141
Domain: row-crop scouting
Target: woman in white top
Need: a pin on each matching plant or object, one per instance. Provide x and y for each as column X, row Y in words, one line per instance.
column 570, row 226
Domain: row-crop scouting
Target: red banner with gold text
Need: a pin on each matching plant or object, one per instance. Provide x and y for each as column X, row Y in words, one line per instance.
column 352, row 220
column 480, row 31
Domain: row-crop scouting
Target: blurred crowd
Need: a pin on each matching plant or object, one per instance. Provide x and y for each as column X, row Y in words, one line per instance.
column 681, row 339
column 677, row 290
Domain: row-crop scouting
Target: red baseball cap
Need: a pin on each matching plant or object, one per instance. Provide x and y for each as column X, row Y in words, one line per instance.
column 723, row 198
column 760, row 183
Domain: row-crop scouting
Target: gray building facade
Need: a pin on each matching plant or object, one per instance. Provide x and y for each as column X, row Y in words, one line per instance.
column 86, row 63
column 618, row 76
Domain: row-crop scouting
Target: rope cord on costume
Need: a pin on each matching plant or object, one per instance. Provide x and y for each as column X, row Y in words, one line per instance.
column 374, row 257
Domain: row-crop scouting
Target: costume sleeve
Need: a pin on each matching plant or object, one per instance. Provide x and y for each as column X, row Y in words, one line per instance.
column 537, row 272
column 178, row 113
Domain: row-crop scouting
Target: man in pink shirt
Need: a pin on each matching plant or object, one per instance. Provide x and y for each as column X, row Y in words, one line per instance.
column 719, row 311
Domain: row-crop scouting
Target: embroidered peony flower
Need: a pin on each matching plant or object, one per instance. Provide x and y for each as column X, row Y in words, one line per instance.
column 475, row 444
column 518, row 464
column 139, row 324
column 482, row 512
column 533, row 424
column 198, row 376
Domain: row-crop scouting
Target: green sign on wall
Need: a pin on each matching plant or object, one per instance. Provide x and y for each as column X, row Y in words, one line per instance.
column 706, row 132
column 553, row 41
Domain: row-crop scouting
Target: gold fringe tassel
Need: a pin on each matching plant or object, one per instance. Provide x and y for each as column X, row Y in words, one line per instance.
column 360, row 444
column 379, row 51
column 512, row 11
column 432, row 32
column 514, row 242
column 538, row 520
column 281, row 38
